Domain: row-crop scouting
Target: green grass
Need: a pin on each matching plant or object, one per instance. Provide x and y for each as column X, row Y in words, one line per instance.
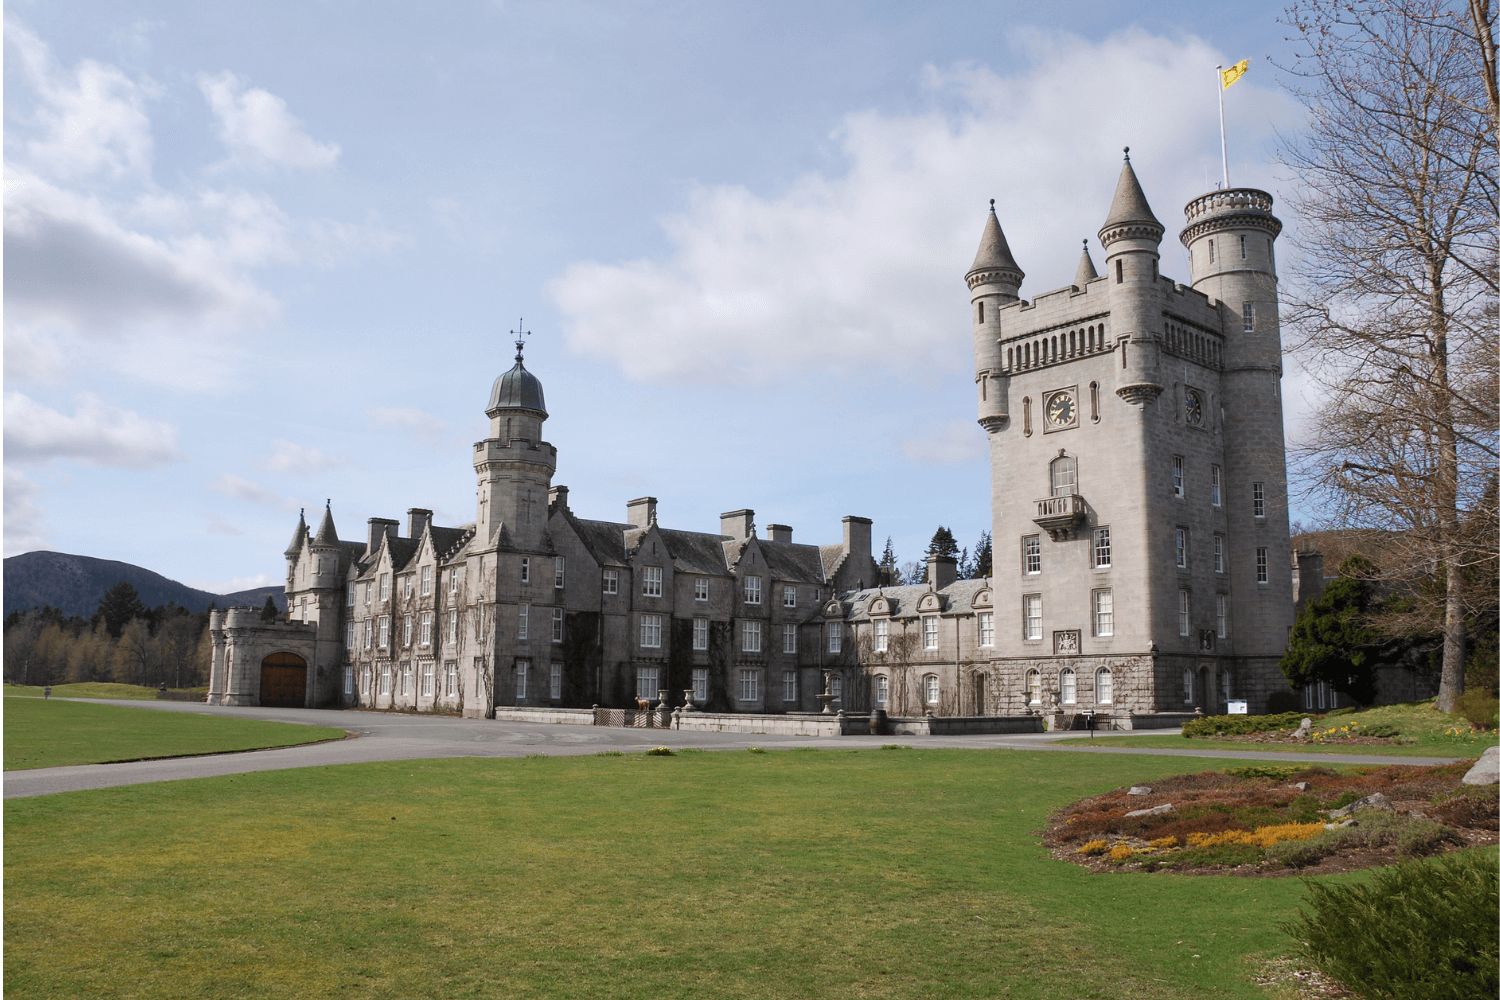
column 1173, row 742
column 94, row 689
column 833, row 874
column 55, row 733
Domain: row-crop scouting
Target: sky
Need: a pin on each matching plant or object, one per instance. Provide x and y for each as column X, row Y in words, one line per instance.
column 263, row 256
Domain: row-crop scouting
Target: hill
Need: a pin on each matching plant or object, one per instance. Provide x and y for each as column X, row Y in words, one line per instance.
column 75, row 583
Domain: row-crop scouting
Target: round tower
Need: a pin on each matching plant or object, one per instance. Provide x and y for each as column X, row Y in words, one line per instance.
column 514, row 464
column 1131, row 237
column 994, row 281
column 1231, row 241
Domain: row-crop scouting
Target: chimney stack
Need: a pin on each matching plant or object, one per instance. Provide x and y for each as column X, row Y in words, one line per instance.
column 379, row 528
column 641, row 511
column 779, row 532
column 738, row 524
column 417, row 521
column 1307, row 577
column 857, row 537
column 557, row 496
column 941, row 571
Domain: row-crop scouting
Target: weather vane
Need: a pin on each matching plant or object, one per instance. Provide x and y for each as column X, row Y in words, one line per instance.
column 518, row 333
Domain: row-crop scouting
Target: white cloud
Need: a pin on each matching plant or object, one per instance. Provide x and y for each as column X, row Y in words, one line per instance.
column 24, row 530
column 234, row 584
column 259, row 131
column 866, row 269
column 96, row 433
column 955, row 442
column 408, row 419
column 288, row 456
column 241, row 488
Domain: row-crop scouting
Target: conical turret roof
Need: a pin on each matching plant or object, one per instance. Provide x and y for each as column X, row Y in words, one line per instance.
column 994, row 253
column 326, row 533
column 1086, row 272
column 298, row 535
column 1130, row 206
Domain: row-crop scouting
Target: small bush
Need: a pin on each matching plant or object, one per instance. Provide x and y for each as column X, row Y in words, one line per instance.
column 1416, row 931
column 895, row 746
column 1240, row 725
column 1477, row 809
column 610, row 753
column 1276, row 772
column 1164, row 842
column 1266, row 836
column 1479, row 706
column 756, row 750
column 1382, row 731
column 661, row 752
column 1094, row 848
column 1344, row 799
column 1121, row 853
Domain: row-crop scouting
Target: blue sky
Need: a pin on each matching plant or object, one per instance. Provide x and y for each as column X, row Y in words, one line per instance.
column 260, row 255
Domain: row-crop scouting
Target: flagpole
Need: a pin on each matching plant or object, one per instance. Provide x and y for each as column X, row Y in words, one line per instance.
column 1223, row 142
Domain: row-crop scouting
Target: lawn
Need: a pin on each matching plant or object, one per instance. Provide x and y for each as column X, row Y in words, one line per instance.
column 1452, row 749
column 801, row 873
column 54, row 733
column 95, row 689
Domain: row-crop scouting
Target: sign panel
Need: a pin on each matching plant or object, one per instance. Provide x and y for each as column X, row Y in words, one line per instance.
column 1239, row 708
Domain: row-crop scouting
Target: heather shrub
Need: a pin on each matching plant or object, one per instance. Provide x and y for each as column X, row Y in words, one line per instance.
column 1240, row 725
column 1275, row 772
column 1477, row 808
column 1416, row 931
column 1094, row 848
column 1121, row 853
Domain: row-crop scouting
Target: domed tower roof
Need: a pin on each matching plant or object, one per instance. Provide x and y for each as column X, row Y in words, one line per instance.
column 517, row 389
column 1130, row 216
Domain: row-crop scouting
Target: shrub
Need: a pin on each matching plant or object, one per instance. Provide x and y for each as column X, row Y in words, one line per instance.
column 1347, row 797
column 1164, row 842
column 1282, row 702
column 755, row 750
column 1476, row 808
column 1416, row 931
column 1240, row 725
column 610, row 753
column 661, row 752
column 1266, row 836
column 1276, row 772
column 1479, row 706
column 1121, row 853
column 1382, row 731
column 1094, row 847
column 895, row 746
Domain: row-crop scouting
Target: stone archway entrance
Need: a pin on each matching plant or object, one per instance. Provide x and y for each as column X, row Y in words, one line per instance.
column 283, row 681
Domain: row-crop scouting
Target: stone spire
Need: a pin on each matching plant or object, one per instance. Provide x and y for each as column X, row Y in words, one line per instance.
column 1130, row 216
column 1086, row 272
column 326, row 535
column 994, row 253
column 299, row 535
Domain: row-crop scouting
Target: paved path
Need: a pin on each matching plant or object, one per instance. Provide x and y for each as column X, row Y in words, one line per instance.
column 393, row 736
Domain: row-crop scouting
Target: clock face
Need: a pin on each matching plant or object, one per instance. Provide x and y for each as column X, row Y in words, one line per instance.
column 1194, row 409
column 1060, row 408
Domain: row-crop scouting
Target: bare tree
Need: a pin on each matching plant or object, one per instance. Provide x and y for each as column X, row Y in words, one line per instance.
column 1394, row 308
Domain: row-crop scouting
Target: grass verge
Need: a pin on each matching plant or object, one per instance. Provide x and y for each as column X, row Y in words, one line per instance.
column 95, row 689
column 56, row 733
column 1174, row 742
column 834, row 874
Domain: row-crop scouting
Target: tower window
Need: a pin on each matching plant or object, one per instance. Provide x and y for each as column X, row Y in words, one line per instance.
column 1210, row 251
column 1258, row 499
column 1094, row 396
column 1104, row 612
column 1248, row 311
column 1064, row 474
column 1182, row 548
column 1026, row 415
column 981, row 312
column 1119, row 272
column 1031, row 554
column 1216, row 477
column 1102, row 554
column 557, row 572
column 1243, row 254
column 1031, row 606
column 1262, row 566
column 1184, row 612
column 1177, row 486
column 1221, row 617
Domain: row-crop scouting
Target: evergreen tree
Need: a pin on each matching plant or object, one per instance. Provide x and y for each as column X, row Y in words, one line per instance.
column 983, row 557
column 119, row 605
column 1332, row 640
column 890, row 568
column 270, row 611
column 943, row 543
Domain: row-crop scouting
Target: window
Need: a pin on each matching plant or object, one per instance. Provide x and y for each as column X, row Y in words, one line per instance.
column 1102, row 555
column 348, row 680
column 525, row 569
column 611, row 581
column 1218, row 553
column 1216, row 478
column 1068, row 681
column 882, row 689
column 1104, row 686
column 1258, row 498
column 749, row 685
column 426, row 580
column 1262, row 567
column 651, row 631
column 1064, row 475
column 385, row 631
column 369, row 633
column 523, row 622
column 986, row 628
column 406, row 631
column 1224, row 685
column 385, row 678
column 981, row 312
column 700, row 589
column 646, row 684
column 1182, row 548
column 750, row 637
column 788, row 638
column 450, row 678
column 523, row 667
column 558, row 576
column 1031, row 554
column 427, row 628
column 1187, row 686
column 554, row 690
column 349, row 636
column 1210, row 251
column 385, row 586
column 428, row 669
column 353, row 587
column 1026, row 414
column 1177, row 489
column 453, row 626
column 557, row 625
column 479, row 622
column 367, row 592
column 700, row 684
column 1183, row 612
column 651, row 581
column 1104, row 612
column 930, row 632
column 1221, row 615
column 1248, row 312
column 1032, row 603
column 1242, row 248
column 1034, row 687
column 882, row 636
column 1119, row 272
column 700, row 633
column 930, row 689
column 752, row 590
column 835, row 637
column 453, row 588
column 1094, row 396
column 788, row 597
column 789, row 686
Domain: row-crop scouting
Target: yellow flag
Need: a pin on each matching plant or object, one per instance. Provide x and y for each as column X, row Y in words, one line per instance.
column 1228, row 76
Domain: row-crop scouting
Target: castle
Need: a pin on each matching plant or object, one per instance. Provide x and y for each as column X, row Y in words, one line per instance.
column 1142, row 560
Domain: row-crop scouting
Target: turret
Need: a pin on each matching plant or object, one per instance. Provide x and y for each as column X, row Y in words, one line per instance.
column 514, row 464
column 1231, row 238
column 1086, row 272
column 994, row 281
column 1131, row 237
column 294, row 550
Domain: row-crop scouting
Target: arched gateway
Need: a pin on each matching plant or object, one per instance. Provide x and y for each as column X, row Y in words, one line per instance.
column 283, row 681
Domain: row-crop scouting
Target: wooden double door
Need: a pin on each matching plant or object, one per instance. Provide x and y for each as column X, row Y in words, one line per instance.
column 283, row 681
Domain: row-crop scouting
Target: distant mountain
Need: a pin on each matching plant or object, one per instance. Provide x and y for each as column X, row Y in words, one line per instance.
column 75, row 584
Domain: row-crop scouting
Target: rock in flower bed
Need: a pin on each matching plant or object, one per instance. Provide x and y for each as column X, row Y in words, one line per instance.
column 1270, row 820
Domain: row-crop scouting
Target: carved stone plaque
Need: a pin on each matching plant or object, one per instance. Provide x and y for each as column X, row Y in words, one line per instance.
column 1065, row 643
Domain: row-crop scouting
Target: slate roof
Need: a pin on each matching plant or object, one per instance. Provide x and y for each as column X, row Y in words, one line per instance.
column 958, row 598
column 696, row 552
column 994, row 251
column 1129, row 205
column 605, row 540
column 447, row 542
column 790, row 561
column 517, row 388
column 1086, row 272
column 326, row 533
column 297, row 536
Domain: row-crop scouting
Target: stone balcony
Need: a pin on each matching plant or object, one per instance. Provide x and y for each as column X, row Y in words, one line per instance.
column 1058, row 516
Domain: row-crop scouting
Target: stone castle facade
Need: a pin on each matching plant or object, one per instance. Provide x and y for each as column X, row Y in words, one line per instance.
column 1142, row 560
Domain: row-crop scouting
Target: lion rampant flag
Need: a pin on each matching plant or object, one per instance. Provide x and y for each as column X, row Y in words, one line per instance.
column 1228, row 77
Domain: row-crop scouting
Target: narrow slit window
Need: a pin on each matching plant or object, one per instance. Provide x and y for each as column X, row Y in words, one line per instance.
column 981, row 312
column 1119, row 272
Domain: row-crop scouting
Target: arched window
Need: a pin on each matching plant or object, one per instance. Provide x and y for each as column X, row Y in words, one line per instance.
column 1104, row 686
column 930, row 689
column 1068, row 681
column 1187, row 681
column 1026, row 415
column 1009, row 356
column 1064, row 476
column 1033, row 687
column 836, row 688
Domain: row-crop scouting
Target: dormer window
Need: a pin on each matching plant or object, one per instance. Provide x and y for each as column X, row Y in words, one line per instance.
column 426, row 581
column 651, row 581
column 385, row 586
column 752, row 590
